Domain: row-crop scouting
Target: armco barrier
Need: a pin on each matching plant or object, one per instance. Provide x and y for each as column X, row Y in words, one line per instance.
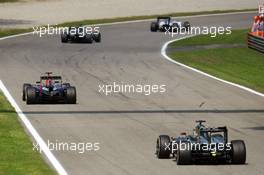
column 255, row 42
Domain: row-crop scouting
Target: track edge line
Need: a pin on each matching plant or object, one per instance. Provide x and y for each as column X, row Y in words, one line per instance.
column 164, row 54
column 42, row 145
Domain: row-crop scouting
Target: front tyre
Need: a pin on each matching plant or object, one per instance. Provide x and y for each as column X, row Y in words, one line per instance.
column 184, row 155
column 163, row 146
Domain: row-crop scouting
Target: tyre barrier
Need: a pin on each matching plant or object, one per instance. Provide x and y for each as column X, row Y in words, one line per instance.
column 255, row 42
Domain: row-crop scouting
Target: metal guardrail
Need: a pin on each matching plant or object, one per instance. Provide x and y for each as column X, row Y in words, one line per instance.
column 255, row 42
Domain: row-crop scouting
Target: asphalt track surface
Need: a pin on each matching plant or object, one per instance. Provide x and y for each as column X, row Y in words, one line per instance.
column 127, row 125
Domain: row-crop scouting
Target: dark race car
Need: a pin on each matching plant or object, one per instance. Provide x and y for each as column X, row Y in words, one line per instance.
column 49, row 89
column 80, row 34
column 205, row 145
column 167, row 24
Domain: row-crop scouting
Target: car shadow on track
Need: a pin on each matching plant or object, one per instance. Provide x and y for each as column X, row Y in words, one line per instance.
column 207, row 163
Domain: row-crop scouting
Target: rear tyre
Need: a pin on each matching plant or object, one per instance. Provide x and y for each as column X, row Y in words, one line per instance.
column 31, row 95
column 71, row 95
column 97, row 37
column 25, row 86
column 153, row 27
column 184, row 156
column 64, row 38
column 238, row 152
column 163, row 146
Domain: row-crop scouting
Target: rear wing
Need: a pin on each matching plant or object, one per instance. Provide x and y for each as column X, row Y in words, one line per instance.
column 163, row 17
column 218, row 129
column 215, row 130
column 50, row 77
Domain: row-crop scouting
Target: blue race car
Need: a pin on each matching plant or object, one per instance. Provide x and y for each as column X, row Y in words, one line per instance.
column 205, row 145
column 49, row 89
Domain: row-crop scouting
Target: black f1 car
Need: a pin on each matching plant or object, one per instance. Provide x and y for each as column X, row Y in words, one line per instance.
column 80, row 34
column 203, row 146
column 49, row 89
column 167, row 24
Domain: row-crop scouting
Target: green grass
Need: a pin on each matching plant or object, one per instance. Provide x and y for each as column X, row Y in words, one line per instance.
column 16, row 150
column 239, row 64
column 8, row 32
column 237, row 36
column 2, row 1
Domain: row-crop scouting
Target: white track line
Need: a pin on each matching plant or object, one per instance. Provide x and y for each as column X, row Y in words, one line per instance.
column 42, row 145
column 14, row 36
column 163, row 53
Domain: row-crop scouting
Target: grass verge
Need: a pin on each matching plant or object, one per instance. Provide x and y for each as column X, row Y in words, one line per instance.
column 236, row 64
column 16, row 154
column 7, row 32
column 3, row 1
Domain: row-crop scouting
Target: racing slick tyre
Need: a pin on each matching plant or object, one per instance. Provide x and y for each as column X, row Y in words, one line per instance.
column 31, row 95
column 97, row 37
column 184, row 156
column 187, row 25
column 25, row 86
column 71, row 95
column 64, row 38
column 89, row 38
column 153, row 27
column 238, row 152
column 163, row 150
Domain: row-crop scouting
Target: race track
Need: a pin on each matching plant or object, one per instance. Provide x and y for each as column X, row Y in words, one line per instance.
column 127, row 125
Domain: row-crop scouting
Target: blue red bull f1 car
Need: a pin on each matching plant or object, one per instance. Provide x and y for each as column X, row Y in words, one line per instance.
column 50, row 89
